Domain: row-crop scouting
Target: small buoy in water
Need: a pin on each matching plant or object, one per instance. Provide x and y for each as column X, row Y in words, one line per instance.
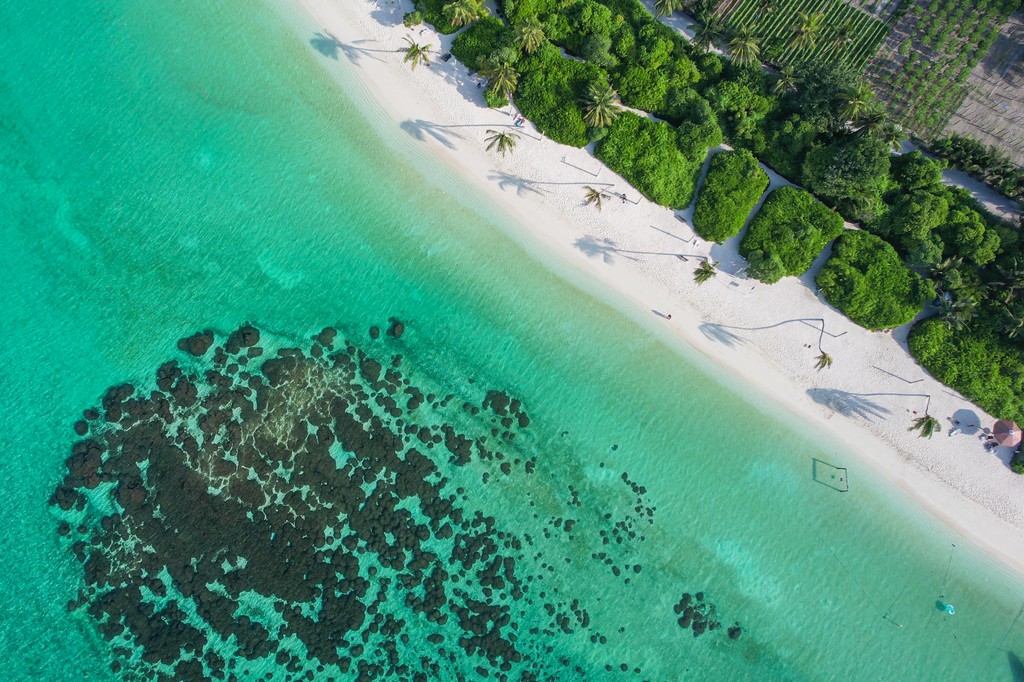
column 950, row 610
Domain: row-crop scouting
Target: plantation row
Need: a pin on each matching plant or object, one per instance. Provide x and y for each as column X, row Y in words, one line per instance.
column 923, row 69
column 794, row 31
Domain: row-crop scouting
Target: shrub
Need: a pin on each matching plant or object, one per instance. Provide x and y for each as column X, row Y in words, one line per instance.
column 788, row 232
column 700, row 131
column 865, row 279
column 731, row 188
column 482, row 38
column 550, row 87
column 852, row 167
column 412, row 19
column 979, row 362
column 432, row 12
column 645, row 153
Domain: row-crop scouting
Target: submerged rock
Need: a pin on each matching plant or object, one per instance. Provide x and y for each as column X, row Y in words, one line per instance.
column 305, row 497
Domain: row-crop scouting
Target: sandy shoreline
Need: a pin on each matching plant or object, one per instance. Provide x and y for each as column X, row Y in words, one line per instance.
column 625, row 255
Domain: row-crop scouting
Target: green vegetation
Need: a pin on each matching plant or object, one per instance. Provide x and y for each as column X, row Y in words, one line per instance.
column 985, row 163
column 927, row 221
column 796, row 31
column 816, row 122
column 787, row 234
column 924, row 83
column 647, row 155
column 481, row 41
column 432, row 12
column 866, row 280
column 981, row 365
column 850, row 171
column 550, row 90
column 415, row 54
column 731, row 189
column 501, row 141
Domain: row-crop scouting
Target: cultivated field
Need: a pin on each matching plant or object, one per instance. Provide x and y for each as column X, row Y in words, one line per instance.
column 923, row 67
column 843, row 34
column 993, row 112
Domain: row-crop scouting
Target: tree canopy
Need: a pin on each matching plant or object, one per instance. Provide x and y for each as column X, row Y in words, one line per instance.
column 731, row 189
column 787, row 234
column 645, row 153
column 865, row 279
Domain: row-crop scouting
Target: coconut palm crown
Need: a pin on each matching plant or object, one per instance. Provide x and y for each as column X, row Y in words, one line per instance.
column 530, row 35
column 502, row 77
column 601, row 105
column 745, row 48
column 502, row 141
column 415, row 53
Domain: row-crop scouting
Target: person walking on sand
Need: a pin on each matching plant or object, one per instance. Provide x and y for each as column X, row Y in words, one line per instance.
column 669, row 316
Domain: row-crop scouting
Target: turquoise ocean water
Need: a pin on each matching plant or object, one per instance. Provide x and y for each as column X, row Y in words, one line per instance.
column 172, row 166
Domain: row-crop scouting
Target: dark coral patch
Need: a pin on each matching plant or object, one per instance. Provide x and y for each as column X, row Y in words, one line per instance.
column 250, row 503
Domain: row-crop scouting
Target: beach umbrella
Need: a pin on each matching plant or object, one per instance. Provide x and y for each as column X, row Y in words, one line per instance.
column 1006, row 433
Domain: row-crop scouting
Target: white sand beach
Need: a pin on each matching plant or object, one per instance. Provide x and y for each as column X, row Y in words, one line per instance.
column 626, row 255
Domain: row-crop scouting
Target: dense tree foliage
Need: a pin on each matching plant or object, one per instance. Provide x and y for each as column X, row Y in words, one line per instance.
column 731, row 189
column 927, row 221
column 647, row 155
column 786, row 235
column 981, row 365
column 850, row 171
column 550, row 90
column 482, row 41
column 985, row 163
column 865, row 279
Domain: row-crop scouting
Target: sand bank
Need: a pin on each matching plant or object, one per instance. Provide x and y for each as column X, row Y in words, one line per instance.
column 766, row 336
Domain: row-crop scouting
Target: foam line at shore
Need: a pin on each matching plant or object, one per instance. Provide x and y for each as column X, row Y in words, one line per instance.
column 624, row 255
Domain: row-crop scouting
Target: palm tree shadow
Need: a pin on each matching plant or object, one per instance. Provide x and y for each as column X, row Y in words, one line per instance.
column 600, row 247
column 522, row 186
column 329, row 46
column 421, row 129
column 848, row 404
column 721, row 334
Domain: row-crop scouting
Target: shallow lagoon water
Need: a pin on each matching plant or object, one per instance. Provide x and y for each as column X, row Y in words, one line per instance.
column 173, row 167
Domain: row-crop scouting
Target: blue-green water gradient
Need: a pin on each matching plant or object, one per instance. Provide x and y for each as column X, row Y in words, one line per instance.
column 169, row 166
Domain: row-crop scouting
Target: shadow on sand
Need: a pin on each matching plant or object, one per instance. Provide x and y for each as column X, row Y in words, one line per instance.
column 850, row 404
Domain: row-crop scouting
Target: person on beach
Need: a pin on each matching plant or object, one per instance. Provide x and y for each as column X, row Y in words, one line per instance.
column 669, row 316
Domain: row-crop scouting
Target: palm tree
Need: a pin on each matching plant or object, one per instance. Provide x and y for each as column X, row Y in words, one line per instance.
column 841, row 38
column 593, row 196
column 416, row 53
column 704, row 272
column 1013, row 322
column 1011, row 280
column 710, row 30
column 824, row 360
column 530, row 35
column 942, row 272
column 601, row 105
column 891, row 134
column 745, row 48
column 957, row 313
column 806, row 29
column 501, row 141
column 462, row 12
column 501, row 75
column 666, row 7
column 787, row 83
column 926, row 426
column 856, row 101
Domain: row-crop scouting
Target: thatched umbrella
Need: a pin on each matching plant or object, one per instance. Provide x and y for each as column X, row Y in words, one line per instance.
column 1006, row 433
